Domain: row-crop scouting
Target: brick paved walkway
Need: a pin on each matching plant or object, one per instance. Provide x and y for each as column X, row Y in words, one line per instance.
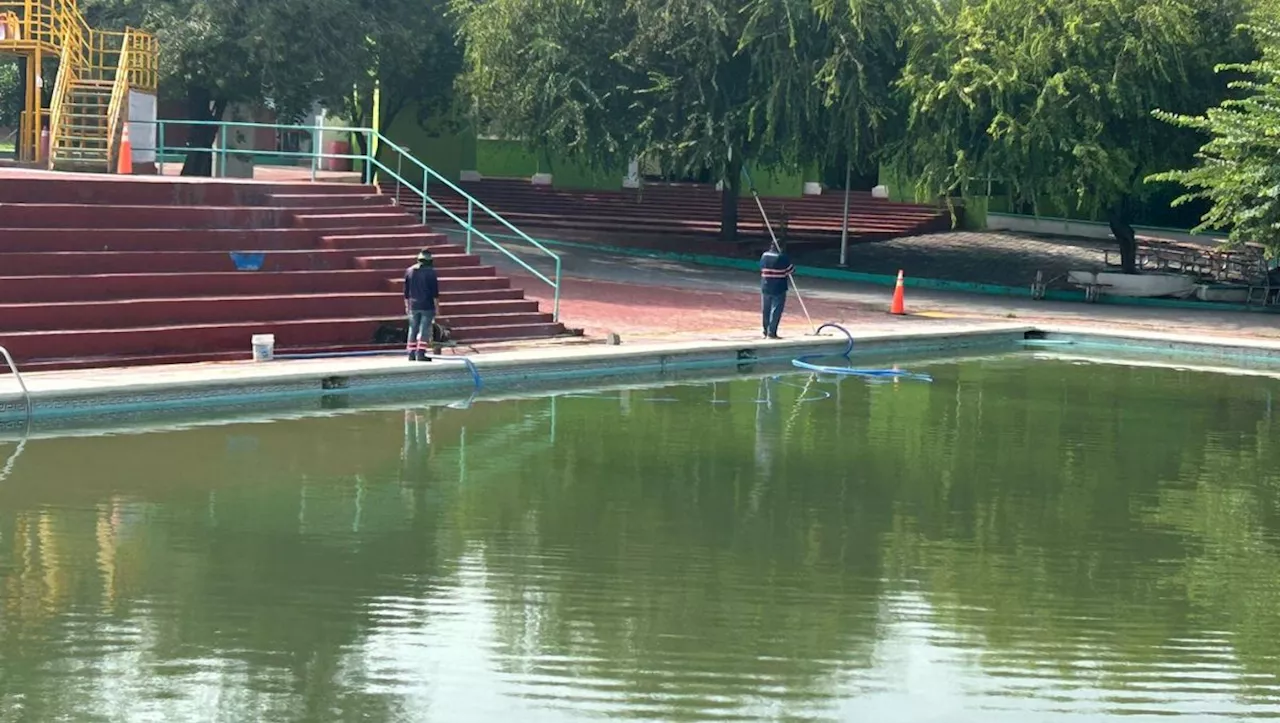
column 653, row 311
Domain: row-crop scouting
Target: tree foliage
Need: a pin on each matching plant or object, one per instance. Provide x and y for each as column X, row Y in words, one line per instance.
column 1236, row 170
column 290, row 54
column 11, row 94
column 1054, row 97
column 696, row 85
column 410, row 52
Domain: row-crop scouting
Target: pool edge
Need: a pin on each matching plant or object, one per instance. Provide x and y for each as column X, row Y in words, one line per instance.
column 59, row 395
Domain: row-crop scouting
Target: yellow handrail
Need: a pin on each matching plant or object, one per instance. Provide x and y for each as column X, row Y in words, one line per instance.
column 119, row 100
column 66, row 69
column 127, row 59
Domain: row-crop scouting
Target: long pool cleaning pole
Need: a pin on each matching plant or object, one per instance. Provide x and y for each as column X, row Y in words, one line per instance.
column 777, row 247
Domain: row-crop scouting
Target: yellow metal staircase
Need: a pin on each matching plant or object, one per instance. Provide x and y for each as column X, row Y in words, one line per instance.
column 89, row 106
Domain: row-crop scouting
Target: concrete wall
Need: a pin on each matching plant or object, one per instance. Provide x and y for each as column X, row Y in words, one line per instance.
column 449, row 152
column 497, row 158
column 1087, row 229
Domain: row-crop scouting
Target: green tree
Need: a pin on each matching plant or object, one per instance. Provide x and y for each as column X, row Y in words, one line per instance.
column 412, row 55
column 696, row 85
column 1236, row 170
column 10, row 95
column 1055, row 97
column 216, row 53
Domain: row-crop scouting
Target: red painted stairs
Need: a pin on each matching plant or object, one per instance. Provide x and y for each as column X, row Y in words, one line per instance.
column 685, row 209
column 106, row 271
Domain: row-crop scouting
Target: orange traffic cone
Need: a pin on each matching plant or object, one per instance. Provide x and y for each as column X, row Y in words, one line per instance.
column 124, row 164
column 898, row 306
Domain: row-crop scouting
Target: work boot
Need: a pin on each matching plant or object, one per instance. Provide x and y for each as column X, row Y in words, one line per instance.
column 422, row 356
column 413, row 356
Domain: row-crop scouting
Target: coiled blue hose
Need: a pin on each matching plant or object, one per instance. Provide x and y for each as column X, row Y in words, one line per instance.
column 804, row 363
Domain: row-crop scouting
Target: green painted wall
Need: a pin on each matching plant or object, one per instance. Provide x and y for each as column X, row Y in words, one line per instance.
column 506, row 159
column 446, row 151
column 512, row 159
column 780, row 183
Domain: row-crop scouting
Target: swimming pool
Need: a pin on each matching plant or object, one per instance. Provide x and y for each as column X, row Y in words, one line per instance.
column 1023, row 538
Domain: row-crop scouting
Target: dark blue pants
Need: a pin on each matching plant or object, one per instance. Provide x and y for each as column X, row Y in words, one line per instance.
column 771, row 308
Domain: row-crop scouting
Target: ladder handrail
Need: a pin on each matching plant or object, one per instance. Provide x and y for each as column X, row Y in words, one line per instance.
column 13, row 367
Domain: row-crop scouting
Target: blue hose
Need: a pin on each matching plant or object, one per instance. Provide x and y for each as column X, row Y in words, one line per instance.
column 804, row 363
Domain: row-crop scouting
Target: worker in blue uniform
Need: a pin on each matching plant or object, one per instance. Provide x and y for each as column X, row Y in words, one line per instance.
column 775, row 274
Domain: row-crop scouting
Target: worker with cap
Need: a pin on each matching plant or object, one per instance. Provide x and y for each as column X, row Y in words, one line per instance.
column 421, row 289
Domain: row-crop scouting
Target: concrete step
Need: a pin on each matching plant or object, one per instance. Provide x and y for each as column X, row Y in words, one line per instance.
column 477, row 321
column 403, row 260
column 155, row 262
column 159, row 191
column 452, row 307
column 351, row 220
column 417, row 238
column 153, row 239
column 100, row 216
column 508, row 332
column 454, row 271
column 115, row 287
column 618, row 207
column 204, row 310
column 322, row 200
column 63, row 215
column 189, row 339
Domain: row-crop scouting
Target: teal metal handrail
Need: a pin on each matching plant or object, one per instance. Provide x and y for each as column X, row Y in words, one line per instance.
column 370, row 162
column 22, row 383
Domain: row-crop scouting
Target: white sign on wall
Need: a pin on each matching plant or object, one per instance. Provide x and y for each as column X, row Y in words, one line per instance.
column 142, row 127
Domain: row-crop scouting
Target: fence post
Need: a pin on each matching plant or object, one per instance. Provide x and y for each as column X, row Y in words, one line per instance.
column 160, row 147
column 470, row 206
column 222, row 155
column 555, row 309
column 315, row 150
column 368, row 157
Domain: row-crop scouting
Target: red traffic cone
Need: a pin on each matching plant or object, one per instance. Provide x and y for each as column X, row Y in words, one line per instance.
column 898, row 307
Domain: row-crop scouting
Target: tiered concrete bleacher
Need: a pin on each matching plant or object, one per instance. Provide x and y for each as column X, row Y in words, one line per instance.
column 687, row 209
column 99, row 270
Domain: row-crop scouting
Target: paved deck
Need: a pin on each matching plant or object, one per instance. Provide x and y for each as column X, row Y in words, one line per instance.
column 654, row 299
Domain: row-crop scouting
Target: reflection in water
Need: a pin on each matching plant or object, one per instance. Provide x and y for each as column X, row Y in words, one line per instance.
column 1016, row 541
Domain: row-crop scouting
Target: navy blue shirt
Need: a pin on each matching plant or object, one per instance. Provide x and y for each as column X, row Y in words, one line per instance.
column 775, row 267
column 421, row 287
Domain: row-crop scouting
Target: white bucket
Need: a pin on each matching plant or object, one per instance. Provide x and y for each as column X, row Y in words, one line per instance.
column 264, row 347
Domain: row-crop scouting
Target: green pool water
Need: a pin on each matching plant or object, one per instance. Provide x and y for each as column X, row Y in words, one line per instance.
column 1020, row 540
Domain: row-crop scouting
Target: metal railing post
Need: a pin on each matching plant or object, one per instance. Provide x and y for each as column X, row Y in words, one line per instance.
column 399, row 175
column 470, row 210
column 555, row 308
column 368, row 156
column 222, row 155
column 315, row 151
column 160, row 147
column 22, row 383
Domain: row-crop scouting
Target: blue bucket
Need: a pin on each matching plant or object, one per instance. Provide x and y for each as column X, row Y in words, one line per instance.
column 248, row 260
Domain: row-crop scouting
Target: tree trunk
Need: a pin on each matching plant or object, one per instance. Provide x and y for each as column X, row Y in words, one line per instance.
column 729, row 202
column 1120, row 219
column 202, row 106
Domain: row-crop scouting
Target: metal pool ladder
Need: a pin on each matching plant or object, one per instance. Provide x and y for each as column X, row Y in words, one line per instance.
column 13, row 367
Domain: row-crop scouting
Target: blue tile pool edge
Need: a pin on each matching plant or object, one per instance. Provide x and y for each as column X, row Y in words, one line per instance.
column 607, row 363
